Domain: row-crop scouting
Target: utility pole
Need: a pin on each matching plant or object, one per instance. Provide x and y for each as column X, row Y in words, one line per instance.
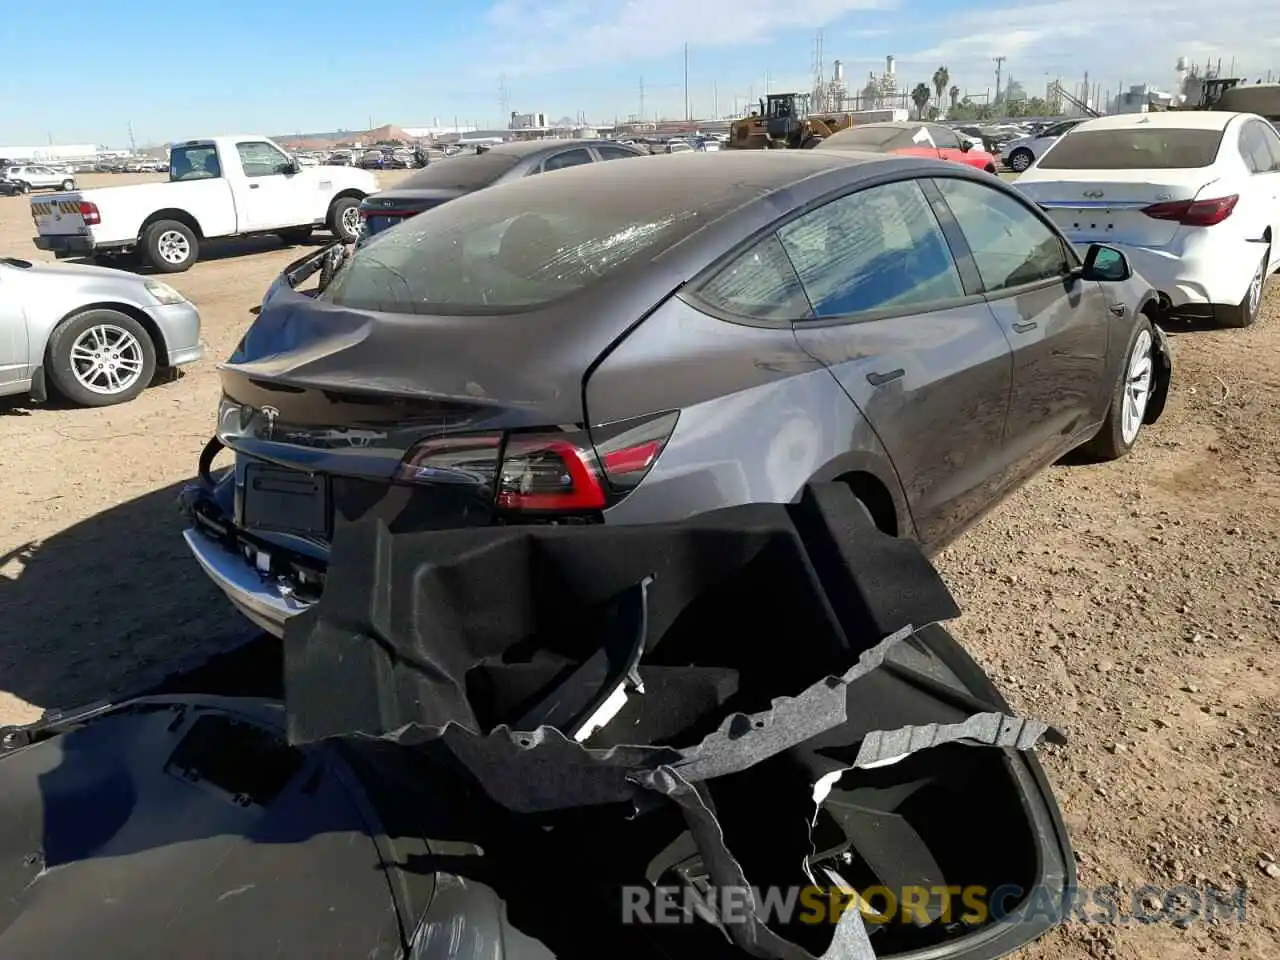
column 642, row 113
column 687, row 114
column 715, row 101
column 504, row 100
column 133, row 144
column 999, row 62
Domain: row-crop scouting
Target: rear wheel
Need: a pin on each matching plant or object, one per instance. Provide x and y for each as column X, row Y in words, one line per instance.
column 1245, row 313
column 101, row 357
column 24, row 187
column 1129, row 399
column 1020, row 159
column 170, row 246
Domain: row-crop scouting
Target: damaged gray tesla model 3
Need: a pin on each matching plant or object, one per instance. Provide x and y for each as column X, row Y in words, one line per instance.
column 743, row 734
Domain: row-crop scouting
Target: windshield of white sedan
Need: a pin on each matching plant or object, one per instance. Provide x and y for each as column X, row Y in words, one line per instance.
column 515, row 247
column 1160, row 148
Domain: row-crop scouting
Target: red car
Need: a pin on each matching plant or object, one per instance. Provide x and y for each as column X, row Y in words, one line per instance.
column 914, row 138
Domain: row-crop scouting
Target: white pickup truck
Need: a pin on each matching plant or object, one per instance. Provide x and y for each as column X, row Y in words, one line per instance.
column 219, row 187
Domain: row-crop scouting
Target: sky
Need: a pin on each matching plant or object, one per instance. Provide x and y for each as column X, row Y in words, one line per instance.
column 174, row 70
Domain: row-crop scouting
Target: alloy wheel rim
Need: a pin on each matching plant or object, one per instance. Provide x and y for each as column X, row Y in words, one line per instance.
column 1255, row 288
column 351, row 222
column 106, row 359
column 1137, row 388
column 173, row 246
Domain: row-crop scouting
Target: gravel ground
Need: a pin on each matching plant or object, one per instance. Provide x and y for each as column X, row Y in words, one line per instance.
column 1136, row 604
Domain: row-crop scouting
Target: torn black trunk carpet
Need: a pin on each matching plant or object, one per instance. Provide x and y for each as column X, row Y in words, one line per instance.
column 716, row 667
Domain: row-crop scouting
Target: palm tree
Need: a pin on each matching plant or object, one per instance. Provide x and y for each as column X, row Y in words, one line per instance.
column 955, row 96
column 920, row 96
column 941, row 78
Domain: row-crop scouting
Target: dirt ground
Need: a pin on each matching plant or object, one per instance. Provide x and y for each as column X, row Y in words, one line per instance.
column 1135, row 605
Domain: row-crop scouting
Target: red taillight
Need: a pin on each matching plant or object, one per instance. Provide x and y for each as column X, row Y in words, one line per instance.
column 89, row 213
column 544, row 472
column 1194, row 213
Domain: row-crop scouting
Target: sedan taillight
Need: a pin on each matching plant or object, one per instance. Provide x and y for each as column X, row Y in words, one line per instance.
column 1194, row 213
column 541, row 472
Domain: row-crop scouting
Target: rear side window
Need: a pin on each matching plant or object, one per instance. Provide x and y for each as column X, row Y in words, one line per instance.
column 1254, row 147
column 1153, row 148
column 570, row 158
column 761, row 285
column 194, row 163
column 875, row 250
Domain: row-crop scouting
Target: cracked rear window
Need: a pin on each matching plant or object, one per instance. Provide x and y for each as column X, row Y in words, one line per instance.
column 530, row 243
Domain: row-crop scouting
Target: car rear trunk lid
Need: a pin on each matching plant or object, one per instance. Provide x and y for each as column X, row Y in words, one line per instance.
column 1108, row 206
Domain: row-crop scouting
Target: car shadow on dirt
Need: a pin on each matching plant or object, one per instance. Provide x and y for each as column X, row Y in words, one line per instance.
column 107, row 606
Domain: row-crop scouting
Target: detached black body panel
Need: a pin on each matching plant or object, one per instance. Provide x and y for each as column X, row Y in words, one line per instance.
column 429, row 803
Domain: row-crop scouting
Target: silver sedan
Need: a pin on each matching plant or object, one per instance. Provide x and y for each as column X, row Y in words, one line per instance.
column 93, row 335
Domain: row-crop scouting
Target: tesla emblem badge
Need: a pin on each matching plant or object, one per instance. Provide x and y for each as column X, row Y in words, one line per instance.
column 270, row 414
column 1093, row 194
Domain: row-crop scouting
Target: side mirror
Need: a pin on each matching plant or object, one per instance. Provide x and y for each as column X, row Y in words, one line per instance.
column 966, row 146
column 289, row 169
column 1106, row 264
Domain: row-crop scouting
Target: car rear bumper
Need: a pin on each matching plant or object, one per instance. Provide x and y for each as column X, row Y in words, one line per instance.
column 66, row 245
column 265, row 602
column 1194, row 274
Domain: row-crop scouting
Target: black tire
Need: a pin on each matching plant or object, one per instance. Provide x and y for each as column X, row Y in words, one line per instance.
column 810, row 142
column 59, row 361
column 1245, row 313
column 24, row 187
column 340, row 219
column 1110, row 443
column 68, row 185
column 162, row 258
column 295, row 236
column 1020, row 159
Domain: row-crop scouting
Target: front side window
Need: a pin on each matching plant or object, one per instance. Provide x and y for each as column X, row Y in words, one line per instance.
column 260, row 159
column 1011, row 246
column 943, row 137
column 613, row 153
column 570, row 158
column 876, row 250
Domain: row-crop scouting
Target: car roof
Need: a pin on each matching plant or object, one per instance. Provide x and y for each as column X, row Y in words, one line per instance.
column 527, row 148
column 1163, row 120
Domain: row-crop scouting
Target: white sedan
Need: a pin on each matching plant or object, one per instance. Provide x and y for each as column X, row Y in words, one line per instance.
column 1192, row 198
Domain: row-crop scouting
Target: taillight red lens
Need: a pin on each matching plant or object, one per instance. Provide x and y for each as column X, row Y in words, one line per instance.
column 542, row 472
column 547, row 471
column 1194, row 213
column 89, row 213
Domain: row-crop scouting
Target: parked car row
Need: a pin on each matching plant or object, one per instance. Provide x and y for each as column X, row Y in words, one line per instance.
column 1191, row 197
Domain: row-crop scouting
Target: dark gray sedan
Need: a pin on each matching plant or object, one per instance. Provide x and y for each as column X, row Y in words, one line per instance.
column 636, row 342
column 454, row 177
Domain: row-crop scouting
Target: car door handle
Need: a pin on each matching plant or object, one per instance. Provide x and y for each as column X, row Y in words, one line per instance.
column 254, row 186
column 880, row 379
column 1024, row 326
column 1117, row 309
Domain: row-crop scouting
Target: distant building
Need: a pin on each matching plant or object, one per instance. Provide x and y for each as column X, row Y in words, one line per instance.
column 52, row 154
column 528, row 121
